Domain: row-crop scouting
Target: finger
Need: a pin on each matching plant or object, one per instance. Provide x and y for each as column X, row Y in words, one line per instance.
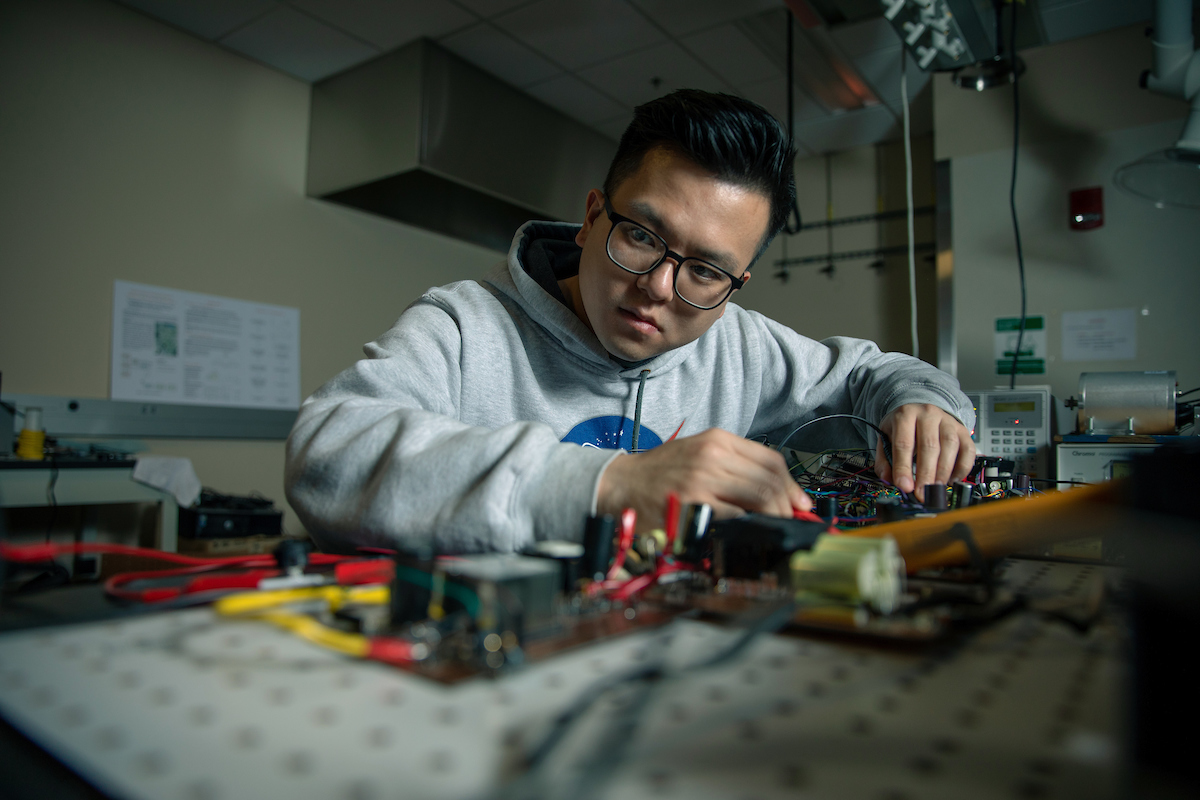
column 966, row 456
column 948, row 457
column 803, row 502
column 778, row 492
column 929, row 446
column 882, row 468
column 903, row 437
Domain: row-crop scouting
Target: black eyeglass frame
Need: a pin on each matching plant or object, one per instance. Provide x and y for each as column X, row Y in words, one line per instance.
column 735, row 282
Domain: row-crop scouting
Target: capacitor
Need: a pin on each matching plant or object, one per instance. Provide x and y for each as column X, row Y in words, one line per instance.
column 598, row 535
column 963, row 495
column 826, row 506
column 1021, row 483
column 935, row 496
column 693, row 541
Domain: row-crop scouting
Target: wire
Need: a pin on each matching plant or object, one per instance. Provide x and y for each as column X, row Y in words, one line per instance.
column 908, row 185
column 1189, row 391
column 649, row 676
column 637, row 410
column 33, row 553
column 887, row 442
column 793, row 224
column 1012, row 190
column 51, row 497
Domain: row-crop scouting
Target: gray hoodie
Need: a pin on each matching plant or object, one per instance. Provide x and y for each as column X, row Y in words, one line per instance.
column 483, row 418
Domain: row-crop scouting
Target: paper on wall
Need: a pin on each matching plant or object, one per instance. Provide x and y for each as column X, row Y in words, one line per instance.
column 1099, row 335
column 172, row 346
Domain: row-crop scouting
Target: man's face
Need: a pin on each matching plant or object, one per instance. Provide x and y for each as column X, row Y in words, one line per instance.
column 639, row 316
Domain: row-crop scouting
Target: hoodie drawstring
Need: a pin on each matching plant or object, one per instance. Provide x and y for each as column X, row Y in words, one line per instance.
column 637, row 410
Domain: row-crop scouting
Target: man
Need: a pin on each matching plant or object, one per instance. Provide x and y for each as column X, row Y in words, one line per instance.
column 463, row 426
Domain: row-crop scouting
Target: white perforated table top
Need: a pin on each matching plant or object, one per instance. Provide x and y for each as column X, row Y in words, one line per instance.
column 185, row 705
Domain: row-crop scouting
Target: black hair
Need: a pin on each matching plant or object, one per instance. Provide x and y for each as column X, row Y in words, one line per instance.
column 735, row 139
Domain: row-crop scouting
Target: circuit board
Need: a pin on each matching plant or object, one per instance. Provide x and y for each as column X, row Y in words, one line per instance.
column 189, row 704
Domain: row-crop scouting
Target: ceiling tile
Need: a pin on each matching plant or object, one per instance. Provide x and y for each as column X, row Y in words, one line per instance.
column 727, row 51
column 771, row 94
column 576, row 34
column 638, row 77
column 613, row 128
column 298, row 44
column 681, row 17
column 387, row 24
column 494, row 51
column 210, row 20
column 576, row 99
column 490, row 8
column 849, row 129
column 859, row 38
column 1073, row 20
column 881, row 70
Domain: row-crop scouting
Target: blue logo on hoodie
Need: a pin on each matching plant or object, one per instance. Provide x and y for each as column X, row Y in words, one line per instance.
column 611, row 433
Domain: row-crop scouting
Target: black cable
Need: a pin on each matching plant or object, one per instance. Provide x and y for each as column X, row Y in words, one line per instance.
column 51, row 497
column 649, row 676
column 1189, row 391
column 887, row 442
column 1012, row 189
column 792, row 225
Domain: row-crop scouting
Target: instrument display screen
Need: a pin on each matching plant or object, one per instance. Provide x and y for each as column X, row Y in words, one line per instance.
column 1001, row 407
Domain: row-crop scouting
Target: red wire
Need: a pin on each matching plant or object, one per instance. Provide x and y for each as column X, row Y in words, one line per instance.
column 672, row 522
column 34, row 553
column 628, row 521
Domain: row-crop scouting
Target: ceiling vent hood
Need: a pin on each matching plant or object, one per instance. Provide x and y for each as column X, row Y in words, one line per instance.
column 423, row 137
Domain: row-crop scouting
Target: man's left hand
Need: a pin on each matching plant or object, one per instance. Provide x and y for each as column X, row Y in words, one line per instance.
column 928, row 446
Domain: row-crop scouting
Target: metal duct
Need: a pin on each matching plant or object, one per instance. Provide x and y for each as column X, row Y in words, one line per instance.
column 423, row 137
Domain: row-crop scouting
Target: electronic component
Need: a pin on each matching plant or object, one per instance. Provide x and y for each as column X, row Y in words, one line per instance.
column 1017, row 425
column 1093, row 462
column 755, row 544
column 1126, row 403
column 851, row 569
column 519, row 586
column 222, row 516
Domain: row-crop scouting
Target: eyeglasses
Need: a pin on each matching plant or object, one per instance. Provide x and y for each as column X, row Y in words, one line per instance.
column 638, row 250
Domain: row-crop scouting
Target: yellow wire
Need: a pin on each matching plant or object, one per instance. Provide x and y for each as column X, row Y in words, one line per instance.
column 336, row 596
column 306, row 627
column 266, row 606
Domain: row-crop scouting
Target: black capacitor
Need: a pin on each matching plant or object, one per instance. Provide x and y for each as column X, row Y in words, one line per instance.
column 1021, row 483
column 935, row 496
column 888, row 509
column 694, row 542
column 826, row 506
column 598, row 533
column 292, row 554
column 962, row 495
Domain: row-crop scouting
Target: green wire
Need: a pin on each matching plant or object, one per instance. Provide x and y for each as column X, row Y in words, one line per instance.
column 459, row 592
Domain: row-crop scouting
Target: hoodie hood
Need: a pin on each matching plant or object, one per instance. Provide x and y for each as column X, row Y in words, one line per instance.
column 551, row 314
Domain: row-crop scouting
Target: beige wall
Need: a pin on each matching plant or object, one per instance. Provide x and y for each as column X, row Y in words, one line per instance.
column 857, row 300
column 132, row 151
column 1082, row 116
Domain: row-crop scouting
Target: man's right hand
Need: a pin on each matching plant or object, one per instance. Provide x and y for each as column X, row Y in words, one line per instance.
column 729, row 473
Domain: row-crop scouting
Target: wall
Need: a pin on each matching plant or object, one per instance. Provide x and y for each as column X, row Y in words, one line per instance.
column 132, row 151
column 857, row 300
column 1082, row 116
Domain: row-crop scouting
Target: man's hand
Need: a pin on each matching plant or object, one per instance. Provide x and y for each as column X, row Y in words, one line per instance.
column 937, row 442
column 731, row 474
